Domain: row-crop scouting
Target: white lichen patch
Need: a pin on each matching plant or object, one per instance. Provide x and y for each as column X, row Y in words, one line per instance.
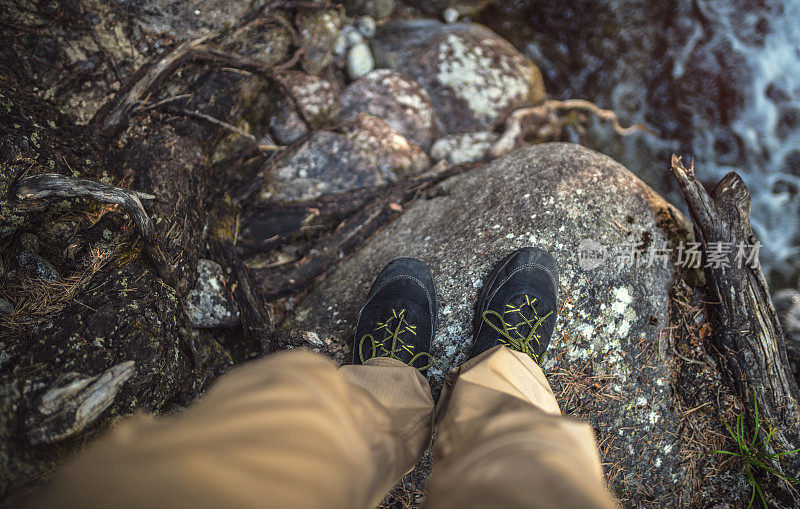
column 622, row 297
column 463, row 147
column 207, row 305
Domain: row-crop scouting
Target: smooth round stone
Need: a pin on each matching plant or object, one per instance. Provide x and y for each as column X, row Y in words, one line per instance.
column 352, row 35
column 341, row 45
column 367, row 26
column 450, row 15
column 359, row 61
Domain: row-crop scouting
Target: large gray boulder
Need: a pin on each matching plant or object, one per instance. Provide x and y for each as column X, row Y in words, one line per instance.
column 475, row 78
column 608, row 359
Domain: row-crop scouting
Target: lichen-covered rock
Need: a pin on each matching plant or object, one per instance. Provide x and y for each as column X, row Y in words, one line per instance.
column 463, row 147
column 366, row 153
column 318, row 30
column 36, row 266
column 207, row 305
column 316, row 96
column 395, row 98
column 474, row 77
column 608, row 356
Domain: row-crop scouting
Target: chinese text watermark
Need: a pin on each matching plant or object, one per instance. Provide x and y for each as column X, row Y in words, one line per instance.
column 690, row 255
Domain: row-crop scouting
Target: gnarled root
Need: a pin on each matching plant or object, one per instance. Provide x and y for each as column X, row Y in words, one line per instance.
column 514, row 129
column 47, row 186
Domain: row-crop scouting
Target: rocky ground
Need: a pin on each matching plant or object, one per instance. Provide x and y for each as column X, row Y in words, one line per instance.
column 259, row 162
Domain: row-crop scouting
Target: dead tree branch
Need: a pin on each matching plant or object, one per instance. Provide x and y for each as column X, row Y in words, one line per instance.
column 748, row 339
column 43, row 186
column 73, row 402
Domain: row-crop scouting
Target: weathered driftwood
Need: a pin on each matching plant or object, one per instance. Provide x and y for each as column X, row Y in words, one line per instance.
column 748, row 340
column 350, row 233
column 44, row 186
column 48, row 186
column 73, row 402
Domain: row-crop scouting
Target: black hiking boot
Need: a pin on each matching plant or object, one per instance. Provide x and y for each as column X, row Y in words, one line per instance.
column 517, row 304
column 398, row 319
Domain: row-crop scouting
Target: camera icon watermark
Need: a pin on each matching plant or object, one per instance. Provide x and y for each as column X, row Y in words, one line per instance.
column 591, row 254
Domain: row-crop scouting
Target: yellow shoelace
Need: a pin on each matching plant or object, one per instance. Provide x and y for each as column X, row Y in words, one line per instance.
column 510, row 334
column 394, row 332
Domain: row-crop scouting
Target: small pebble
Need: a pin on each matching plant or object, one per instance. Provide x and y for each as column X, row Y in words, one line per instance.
column 340, row 46
column 6, row 308
column 367, row 26
column 450, row 15
column 359, row 61
column 36, row 266
column 207, row 305
column 352, row 35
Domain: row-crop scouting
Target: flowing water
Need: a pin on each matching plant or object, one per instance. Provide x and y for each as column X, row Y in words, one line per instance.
column 719, row 81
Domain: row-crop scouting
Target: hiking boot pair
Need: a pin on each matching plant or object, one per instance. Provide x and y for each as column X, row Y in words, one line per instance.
column 516, row 308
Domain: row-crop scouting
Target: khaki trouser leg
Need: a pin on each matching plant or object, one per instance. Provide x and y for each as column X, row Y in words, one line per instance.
column 287, row 431
column 502, row 442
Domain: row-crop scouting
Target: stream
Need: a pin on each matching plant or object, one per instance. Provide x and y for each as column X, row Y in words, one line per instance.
column 719, row 82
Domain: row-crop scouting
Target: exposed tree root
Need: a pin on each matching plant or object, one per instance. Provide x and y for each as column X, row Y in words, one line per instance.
column 514, row 130
column 112, row 119
column 379, row 208
column 255, row 315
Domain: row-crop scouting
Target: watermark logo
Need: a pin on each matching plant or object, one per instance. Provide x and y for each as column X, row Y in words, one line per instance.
column 690, row 255
column 591, row 254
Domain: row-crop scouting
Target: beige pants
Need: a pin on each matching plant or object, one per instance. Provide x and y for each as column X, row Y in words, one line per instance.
column 293, row 431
